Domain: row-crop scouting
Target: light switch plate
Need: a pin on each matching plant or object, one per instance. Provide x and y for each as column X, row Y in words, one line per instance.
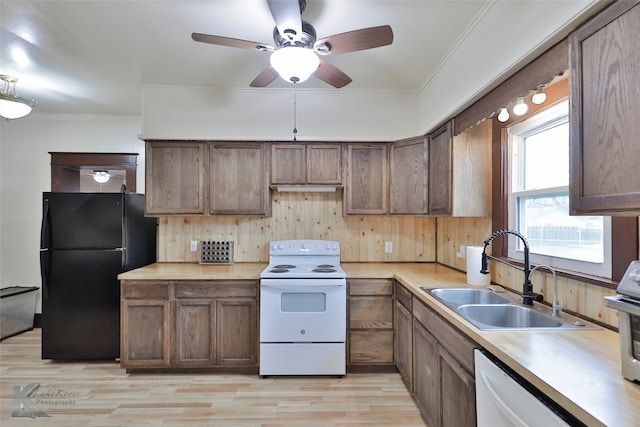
column 194, row 246
column 388, row 247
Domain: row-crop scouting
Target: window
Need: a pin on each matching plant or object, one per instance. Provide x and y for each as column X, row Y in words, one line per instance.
column 539, row 199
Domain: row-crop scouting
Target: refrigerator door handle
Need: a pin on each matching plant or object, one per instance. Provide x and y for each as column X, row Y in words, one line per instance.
column 44, row 250
column 44, row 271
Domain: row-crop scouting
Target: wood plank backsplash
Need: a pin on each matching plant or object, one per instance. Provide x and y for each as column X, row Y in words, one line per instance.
column 302, row 216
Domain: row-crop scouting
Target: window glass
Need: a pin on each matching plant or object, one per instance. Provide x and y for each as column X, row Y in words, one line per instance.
column 539, row 199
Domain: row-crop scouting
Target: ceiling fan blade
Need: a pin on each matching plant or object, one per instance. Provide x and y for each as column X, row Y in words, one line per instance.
column 331, row 75
column 287, row 16
column 268, row 75
column 231, row 42
column 365, row 38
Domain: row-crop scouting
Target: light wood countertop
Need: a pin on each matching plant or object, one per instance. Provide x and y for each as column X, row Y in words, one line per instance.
column 580, row 370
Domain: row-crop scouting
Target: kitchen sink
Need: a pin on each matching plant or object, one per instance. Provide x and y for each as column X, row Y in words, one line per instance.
column 507, row 316
column 459, row 296
column 511, row 316
column 487, row 310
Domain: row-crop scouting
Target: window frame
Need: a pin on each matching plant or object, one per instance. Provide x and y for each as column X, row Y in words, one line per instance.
column 544, row 119
column 624, row 229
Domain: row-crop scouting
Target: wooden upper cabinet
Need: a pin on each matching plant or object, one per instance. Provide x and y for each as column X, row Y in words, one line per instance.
column 472, row 171
column 238, row 181
column 306, row 164
column 324, row 164
column 440, row 167
column 175, row 177
column 605, row 112
column 367, row 181
column 408, row 177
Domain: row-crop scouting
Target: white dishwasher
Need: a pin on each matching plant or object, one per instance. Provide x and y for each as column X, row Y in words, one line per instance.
column 502, row 401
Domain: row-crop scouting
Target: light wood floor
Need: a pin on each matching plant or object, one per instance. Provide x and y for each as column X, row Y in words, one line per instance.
column 102, row 394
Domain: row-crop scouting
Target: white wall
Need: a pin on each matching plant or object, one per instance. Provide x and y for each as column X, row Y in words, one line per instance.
column 25, row 173
column 268, row 114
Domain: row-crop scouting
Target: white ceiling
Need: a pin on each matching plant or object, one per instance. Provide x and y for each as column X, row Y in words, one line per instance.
column 94, row 56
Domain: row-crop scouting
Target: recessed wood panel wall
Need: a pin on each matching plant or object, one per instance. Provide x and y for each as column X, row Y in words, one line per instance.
column 302, row 216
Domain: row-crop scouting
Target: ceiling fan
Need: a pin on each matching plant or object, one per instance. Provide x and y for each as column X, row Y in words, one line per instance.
column 295, row 54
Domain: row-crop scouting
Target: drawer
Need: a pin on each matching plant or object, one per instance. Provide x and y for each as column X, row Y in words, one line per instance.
column 370, row 287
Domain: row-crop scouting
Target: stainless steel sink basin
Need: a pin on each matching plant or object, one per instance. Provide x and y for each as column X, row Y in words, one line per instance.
column 460, row 296
column 508, row 316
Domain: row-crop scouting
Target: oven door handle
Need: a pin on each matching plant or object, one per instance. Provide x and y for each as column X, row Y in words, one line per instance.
column 299, row 287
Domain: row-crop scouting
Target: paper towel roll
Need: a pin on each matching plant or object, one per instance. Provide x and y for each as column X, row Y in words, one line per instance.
column 474, row 265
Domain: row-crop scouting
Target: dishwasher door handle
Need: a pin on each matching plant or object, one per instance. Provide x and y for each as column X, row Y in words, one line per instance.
column 504, row 408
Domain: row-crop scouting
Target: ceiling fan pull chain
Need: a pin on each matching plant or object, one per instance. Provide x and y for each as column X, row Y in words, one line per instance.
column 295, row 119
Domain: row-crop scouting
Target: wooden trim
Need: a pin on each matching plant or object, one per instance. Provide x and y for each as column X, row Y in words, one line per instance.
column 542, row 70
column 65, row 168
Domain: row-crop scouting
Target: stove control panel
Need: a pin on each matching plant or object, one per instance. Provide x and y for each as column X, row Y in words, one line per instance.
column 305, row 247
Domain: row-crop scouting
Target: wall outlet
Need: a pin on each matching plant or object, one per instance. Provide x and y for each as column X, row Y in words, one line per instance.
column 388, row 247
column 194, row 246
column 461, row 254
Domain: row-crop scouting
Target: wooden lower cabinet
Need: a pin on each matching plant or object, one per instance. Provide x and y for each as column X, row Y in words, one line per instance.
column 443, row 380
column 370, row 334
column 198, row 324
column 146, row 342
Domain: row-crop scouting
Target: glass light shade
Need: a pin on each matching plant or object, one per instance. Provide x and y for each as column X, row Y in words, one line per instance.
column 11, row 105
column 101, row 177
column 295, row 64
column 539, row 96
column 520, row 108
column 503, row 115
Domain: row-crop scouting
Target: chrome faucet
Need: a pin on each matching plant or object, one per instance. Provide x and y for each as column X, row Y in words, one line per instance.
column 528, row 296
column 556, row 306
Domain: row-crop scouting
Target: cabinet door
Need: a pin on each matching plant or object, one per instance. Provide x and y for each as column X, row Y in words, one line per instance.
column 367, row 179
column 175, row 178
column 145, row 334
column 458, row 391
column 238, row 179
column 426, row 374
column 236, row 331
column 195, row 332
column 472, row 171
column 403, row 326
column 604, row 63
column 408, row 177
column 440, row 170
column 288, row 164
column 324, row 164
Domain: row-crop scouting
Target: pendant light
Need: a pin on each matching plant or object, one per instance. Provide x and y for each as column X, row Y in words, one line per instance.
column 13, row 106
column 539, row 96
column 520, row 108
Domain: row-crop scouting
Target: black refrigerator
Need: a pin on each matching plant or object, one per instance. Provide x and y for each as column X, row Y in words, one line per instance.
column 86, row 240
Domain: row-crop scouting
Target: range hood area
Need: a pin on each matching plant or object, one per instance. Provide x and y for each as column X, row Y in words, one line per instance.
column 306, row 188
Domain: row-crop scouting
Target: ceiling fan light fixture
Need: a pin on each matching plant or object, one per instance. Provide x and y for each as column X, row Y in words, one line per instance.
column 295, row 64
column 13, row 106
column 101, row 177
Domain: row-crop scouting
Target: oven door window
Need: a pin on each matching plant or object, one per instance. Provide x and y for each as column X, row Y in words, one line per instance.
column 303, row 302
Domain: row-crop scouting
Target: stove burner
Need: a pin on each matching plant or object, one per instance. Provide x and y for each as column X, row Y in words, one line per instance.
column 278, row 270
column 285, row 266
column 324, row 270
column 325, row 266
